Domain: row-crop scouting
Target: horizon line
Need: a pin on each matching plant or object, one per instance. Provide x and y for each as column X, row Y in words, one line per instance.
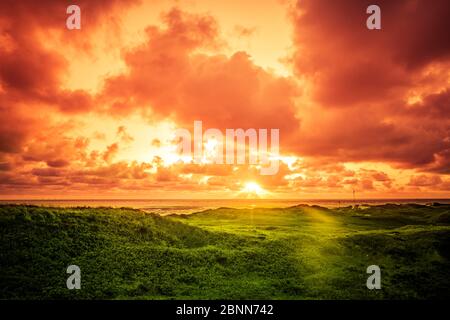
column 215, row 199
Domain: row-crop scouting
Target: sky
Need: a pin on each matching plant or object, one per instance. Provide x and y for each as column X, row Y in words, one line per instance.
column 91, row 113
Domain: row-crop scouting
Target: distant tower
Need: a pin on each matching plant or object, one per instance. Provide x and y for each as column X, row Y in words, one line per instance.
column 354, row 199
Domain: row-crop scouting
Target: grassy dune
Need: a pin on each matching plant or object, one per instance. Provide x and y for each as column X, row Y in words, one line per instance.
column 302, row 252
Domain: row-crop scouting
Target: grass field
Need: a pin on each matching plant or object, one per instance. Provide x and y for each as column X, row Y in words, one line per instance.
column 303, row 252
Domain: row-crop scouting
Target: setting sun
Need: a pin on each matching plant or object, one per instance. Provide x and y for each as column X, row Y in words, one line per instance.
column 253, row 189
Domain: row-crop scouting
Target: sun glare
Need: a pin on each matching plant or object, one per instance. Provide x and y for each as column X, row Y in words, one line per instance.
column 252, row 188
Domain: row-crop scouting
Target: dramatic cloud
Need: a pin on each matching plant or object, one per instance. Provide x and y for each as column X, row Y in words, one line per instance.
column 169, row 77
column 377, row 95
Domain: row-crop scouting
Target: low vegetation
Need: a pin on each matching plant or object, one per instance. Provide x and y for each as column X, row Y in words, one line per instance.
column 303, row 252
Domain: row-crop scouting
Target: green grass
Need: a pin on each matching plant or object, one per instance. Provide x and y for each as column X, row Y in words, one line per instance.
column 302, row 252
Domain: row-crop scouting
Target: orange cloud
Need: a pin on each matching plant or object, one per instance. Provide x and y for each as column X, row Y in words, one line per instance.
column 169, row 77
column 360, row 82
